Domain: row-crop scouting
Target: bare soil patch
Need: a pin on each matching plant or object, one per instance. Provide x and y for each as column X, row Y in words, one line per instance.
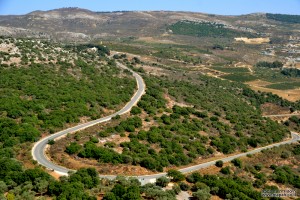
column 74, row 162
column 273, row 109
column 156, row 71
column 9, row 48
column 13, row 60
column 55, row 175
column 171, row 102
column 252, row 40
column 208, row 71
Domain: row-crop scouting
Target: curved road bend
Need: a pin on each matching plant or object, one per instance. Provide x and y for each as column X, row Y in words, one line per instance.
column 38, row 150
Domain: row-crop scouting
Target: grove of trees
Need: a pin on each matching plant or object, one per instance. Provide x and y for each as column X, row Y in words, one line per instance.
column 205, row 29
column 275, row 64
column 284, row 18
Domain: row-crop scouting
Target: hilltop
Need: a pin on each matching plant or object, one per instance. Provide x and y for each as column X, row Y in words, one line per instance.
column 81, row 24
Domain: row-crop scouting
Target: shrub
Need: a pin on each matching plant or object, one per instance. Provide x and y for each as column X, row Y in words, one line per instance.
column 51, row 142
column 258, row 166
column 184, row 186
column 237, row 162
column 73, row 148
column 203, row 194
column 225, row 170
column 162, row 181
column 175, row 175
column 94, row 139
column 219, row 163
column 135, row 110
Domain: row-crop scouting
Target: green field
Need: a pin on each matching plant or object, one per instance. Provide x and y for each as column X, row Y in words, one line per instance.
column 240, row 77
column 231, row 69
column 284, row 86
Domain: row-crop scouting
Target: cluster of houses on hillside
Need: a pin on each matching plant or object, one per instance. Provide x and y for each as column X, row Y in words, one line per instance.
column 289, row 51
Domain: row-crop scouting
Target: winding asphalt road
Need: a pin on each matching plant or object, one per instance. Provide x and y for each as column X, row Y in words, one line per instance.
column 38, row 151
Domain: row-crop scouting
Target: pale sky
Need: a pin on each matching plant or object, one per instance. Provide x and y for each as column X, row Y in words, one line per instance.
column 223, row 7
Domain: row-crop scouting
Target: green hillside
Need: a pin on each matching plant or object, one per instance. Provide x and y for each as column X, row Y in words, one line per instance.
column 205, row 29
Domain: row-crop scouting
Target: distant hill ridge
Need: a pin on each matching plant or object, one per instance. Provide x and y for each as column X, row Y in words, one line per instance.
column 81, row 24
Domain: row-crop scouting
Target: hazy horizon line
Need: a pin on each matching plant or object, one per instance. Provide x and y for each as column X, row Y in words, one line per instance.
column 115, row 11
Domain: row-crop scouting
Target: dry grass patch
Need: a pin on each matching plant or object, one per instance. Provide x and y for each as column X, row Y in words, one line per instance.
column 291, row 95
column 156, row 40
column 259, row 83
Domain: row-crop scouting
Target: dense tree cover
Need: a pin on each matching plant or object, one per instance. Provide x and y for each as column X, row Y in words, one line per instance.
column 284, row 18
column 225, row 186
column 101, row 50
column 43, row 94
column 228, row 100
column 291, row 72
column 119, row 192
column 102, row 154
column 85, row 184
column 204, row 29
column 153, row 100
column 17, row 183
column 285, row 175
column 26, row 184
column 275, row 64
column 44, row 97
column 75, row 185
column 129, row 125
